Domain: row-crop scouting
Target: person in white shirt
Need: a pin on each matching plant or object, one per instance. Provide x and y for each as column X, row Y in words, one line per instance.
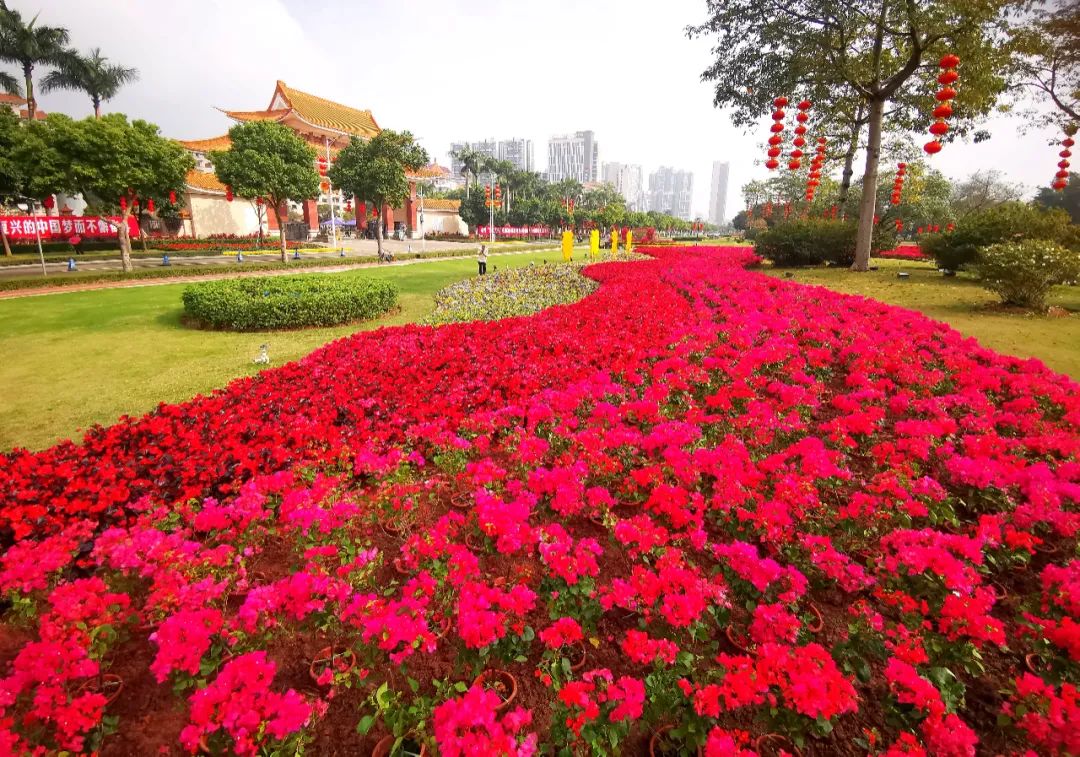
column 482, row 259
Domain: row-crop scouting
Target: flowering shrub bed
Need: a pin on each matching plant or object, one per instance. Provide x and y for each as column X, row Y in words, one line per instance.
column 904, row 252
column 281, row 302
column 695, row 508
column 510, row 292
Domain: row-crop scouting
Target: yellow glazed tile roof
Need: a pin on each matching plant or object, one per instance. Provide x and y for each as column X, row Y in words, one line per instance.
column 205, row 181
column 430, row 171
column 438, row 203
column 256, row 115
column 206, row 145
column 329, row 114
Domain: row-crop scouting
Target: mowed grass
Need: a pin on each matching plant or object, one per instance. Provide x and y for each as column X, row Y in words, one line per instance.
column 70, row 360
column 967, row 307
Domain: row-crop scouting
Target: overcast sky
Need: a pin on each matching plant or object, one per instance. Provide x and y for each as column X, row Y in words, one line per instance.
column 452, row 70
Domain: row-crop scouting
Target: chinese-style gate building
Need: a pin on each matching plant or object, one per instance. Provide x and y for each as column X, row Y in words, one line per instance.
column 321, row 123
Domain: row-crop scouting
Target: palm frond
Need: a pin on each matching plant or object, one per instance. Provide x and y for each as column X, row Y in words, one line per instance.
column 10, row 84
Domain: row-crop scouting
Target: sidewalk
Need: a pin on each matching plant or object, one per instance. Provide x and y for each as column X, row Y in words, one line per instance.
column 466, row 254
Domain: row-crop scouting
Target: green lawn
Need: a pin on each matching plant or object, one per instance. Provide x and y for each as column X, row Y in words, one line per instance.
column 967, row 307
column 74, row 359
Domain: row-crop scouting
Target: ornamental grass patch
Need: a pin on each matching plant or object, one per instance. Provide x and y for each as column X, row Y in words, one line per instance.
column 771, row 515
column 284, row 302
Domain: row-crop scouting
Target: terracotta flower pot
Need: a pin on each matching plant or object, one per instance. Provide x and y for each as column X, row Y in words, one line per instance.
column 770, row 744
column 502, row 682
column 1034, row 662
column 577, row 655
column 109, row 685
column 342, row 659
column 818, row 623
column 656, row 743
column 740, row 643
column 461, row 501
column 386, row 743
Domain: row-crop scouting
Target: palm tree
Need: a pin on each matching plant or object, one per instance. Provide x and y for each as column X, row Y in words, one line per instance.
column 92, row 74
column 27, row 44
column 10, row 84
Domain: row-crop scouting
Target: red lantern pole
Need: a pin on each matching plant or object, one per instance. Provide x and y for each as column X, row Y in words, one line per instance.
column 947, row 78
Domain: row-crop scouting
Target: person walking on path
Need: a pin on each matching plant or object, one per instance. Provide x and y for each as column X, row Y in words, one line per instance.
column 482, row 259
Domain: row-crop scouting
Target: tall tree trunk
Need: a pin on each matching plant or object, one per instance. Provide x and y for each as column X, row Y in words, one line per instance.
column 7, row 245
column 125, row 241
column 142, row 234
column 281, row 234
column 31, row 105
column 379, row 233
column 97, row 106
column 868, row 201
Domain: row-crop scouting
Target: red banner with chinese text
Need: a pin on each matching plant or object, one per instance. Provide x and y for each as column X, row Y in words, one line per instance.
column 62, row 228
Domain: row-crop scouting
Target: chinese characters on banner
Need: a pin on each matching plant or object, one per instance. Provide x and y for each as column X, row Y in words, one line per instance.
column 513, row 231
column 63, row 228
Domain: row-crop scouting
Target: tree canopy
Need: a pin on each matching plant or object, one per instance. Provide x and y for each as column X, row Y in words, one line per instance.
column 373, row 170
column 268, row 160
column 877, row 56
column 93, row 74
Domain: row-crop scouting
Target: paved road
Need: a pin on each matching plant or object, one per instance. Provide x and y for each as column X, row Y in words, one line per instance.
column 353, row 248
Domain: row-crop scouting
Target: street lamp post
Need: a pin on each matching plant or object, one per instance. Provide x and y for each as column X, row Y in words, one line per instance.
column 423, row 238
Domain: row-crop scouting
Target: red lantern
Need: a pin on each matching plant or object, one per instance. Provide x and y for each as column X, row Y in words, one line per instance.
column 123, row 203
column 48, row 203
column 1060, row 184
column 945, row 94
column 802, row 117
column 938, row 128
column 780, row 102
column 172, row 198
column 772, row 163
column 804, row 105
column 932, row 148
column 949, row 61
column 950, row 226
column 1063, row 164
column 258, row 201
column 774, row 152
column 948, row 77
column 942, row 111
column 1061, row 175
column 348, row 206
column 228, row 193
column 150, row 205
column 902, row 166
column 776, row 128
column 799, row 142
column 1065, row 153
column 800, row 130
column 778, row 115
column 794, row 165
column 775, row 140
column 1067, row 142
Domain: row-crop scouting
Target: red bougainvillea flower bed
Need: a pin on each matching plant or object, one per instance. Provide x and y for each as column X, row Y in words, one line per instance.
column 904, row 252
column 700, row 509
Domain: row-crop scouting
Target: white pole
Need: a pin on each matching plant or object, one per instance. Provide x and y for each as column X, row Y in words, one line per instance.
column 37, row 233
column 491, row 222
column 330, row 194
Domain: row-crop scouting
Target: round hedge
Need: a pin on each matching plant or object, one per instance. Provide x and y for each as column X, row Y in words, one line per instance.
column 282, row 302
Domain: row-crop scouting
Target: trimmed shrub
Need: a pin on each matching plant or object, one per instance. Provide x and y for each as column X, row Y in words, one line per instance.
column 1022, row 273
column 1008, row 222
column 807, row 242
column 282, row 302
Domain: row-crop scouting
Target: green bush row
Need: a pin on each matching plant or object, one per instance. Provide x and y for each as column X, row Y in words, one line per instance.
column 282, row 302
column 1008, row 222
column 808, row 242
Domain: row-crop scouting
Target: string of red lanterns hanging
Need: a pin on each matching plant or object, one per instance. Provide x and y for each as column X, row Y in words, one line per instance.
column 800, row 135
column 228, row 193
column 944, row 96
column 776, row 140
column 1061, row 178
column 898, row 183
column 813, row 179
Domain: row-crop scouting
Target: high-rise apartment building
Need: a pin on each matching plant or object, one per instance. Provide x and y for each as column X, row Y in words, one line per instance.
column 517, row 151
column 671, row 191
column 488, row 147
column 627, row 180
column 718, row 196
column 574, row 156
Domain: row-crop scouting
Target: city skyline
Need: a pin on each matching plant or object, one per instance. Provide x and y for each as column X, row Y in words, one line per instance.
column 718, row 192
